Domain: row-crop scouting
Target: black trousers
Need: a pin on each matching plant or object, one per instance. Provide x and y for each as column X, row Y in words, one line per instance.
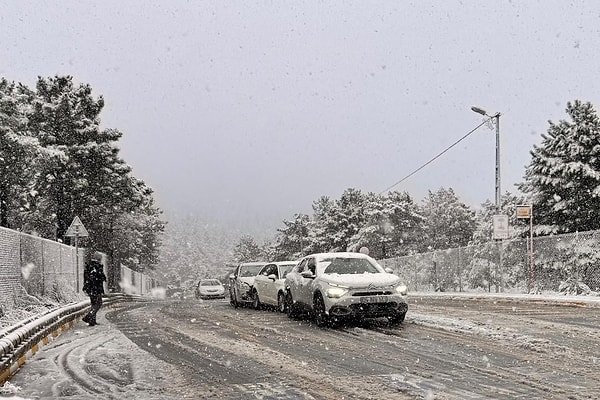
column 96, row 303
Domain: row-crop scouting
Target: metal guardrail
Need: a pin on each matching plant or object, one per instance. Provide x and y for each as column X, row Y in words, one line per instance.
column 25, row 338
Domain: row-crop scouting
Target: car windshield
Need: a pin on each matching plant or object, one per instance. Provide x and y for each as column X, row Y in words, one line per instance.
column 210, row 282
column 337, row 265
column 249, row 270
column 284, row 269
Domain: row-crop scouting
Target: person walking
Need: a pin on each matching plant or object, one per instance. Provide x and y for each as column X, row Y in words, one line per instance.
column 93, row 286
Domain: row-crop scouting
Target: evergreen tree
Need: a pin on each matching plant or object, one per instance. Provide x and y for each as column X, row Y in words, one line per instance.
column 349, row 218
column 563, row 177
column 56, row 163
column 65, row 118
column 20, row 154
column 322, row 226
column 393, row 226
column 247, row 250
column 375, row 233
column 291, row 239
column 450, row 223
column 408, row 221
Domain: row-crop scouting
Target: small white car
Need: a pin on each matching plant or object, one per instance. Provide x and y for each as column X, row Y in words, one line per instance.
column 210, row 289
column 269, row 287
column 337, row 286
column 241, row 282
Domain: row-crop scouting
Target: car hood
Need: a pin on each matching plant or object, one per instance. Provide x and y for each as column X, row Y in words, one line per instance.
column 376, row 280
column 211, row 288
column 247, row 279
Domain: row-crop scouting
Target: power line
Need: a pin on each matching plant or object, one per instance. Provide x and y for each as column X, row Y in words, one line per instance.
column 436, row 157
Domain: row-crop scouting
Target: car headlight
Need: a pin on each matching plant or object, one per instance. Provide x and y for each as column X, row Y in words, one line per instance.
column 402, row 289
column 336, row 291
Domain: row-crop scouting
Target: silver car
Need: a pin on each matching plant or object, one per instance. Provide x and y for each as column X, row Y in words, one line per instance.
column 338, row 286
column 241, row 282
column 269, row 287
column 210, row 289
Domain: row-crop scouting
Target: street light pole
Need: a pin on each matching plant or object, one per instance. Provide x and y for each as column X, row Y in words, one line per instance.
column 497, row 123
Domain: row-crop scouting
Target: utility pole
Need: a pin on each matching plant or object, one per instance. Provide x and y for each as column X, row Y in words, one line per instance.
column 497, row 123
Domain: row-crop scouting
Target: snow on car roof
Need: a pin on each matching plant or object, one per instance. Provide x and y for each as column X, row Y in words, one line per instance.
column 342, row 254
column 285, row 263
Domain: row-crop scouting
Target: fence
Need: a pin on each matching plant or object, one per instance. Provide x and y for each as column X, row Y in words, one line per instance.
column 568, row 262
column 134, row 282
column 33, row 268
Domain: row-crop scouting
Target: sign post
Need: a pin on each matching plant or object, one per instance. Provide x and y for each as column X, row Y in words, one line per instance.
column 526, row 212
column 500, row 227
column 500, row 232
column 76, row 230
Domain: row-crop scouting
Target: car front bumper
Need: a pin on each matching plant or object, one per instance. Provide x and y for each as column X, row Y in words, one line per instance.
column 214, row 295
column 367, row 306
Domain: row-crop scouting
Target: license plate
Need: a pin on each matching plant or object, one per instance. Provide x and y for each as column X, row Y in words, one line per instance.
column 374, row 299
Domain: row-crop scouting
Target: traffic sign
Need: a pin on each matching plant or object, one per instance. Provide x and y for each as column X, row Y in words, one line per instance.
column 501, row 229
column 77, row 229
column 524, row 211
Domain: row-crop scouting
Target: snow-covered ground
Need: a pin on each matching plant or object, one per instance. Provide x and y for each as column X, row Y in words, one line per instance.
column 104, row 362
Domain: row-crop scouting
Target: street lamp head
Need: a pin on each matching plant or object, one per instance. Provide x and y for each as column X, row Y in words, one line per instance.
column 479, row 110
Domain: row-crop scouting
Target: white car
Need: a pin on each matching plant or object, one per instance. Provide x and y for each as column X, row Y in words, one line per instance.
column 210, row 289
column 241, row 282
column 269, row 287
column 338, row 286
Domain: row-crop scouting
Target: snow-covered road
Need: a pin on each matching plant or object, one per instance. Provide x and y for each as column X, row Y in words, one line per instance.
column 450, row 347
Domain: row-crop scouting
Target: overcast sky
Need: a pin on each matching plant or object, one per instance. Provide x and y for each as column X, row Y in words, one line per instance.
column 247, row 112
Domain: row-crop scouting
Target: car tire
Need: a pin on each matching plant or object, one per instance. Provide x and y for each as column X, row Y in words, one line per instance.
column 397, row 319
column 291, row 308
column 281, row 306
column 235, row 303
column 321, row 317
column 256, row 301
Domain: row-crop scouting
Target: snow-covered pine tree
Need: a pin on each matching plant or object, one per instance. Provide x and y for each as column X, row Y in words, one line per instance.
column 450, row 223
column 291, row 239
column 65, row 117
column 89, row 180
column 19, row 154
column 563, row 177
column 393, row 226
column 247, row 250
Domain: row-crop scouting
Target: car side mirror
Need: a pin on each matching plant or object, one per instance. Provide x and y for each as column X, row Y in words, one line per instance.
column 389, row 270
column 272, row 277
column 307, row 274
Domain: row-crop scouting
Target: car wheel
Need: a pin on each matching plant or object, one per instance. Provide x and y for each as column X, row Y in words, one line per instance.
column 255, row 301
column 321, row 317
column 235, row 300
column 281, row 306
column 290, row 307
column 397, row 319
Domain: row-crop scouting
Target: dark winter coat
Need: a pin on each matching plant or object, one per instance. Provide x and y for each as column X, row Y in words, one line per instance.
column 93, row 278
